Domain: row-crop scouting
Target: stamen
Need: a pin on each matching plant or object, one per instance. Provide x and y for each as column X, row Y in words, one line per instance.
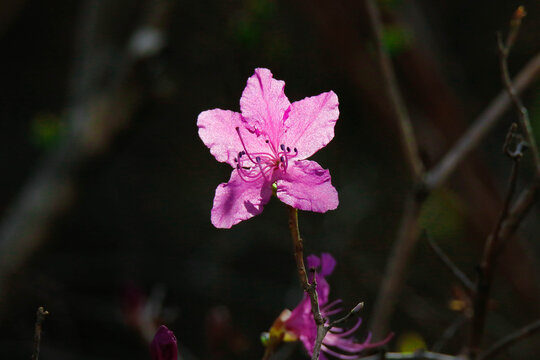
column 245, row 152
column 296, row 150
column 331, row 305
column 326, row 349
column 333, row 312
column 255, row 165
column 262, row 170
column 351, row 330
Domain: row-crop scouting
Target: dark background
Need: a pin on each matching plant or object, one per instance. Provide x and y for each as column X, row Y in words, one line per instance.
column 132, row 206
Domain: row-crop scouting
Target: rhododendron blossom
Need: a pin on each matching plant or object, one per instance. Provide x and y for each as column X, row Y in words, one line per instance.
column 164, row 345
column 299, row 324
column 267, row 144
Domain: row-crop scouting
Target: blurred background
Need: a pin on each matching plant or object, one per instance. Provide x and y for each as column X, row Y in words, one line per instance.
column 107, row 189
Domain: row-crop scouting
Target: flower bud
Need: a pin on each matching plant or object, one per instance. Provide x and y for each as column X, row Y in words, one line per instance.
column 164, row 346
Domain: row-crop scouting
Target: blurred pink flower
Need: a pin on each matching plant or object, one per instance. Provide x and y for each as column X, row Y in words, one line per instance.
column 164, row 346
column 299, row 324
column 267, row 144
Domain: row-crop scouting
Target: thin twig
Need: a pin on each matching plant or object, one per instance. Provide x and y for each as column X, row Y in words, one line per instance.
column 481, row 126
column 322, row 331
column 517, row 213
column 504, row 51
column 310, row 289
column 350, row 314
column 487, row 265
column 397, row 104
column 396, row 268
column 408, row 232
column 449, row 332
column 510, row 340
column 40, row 317
column 463, row 279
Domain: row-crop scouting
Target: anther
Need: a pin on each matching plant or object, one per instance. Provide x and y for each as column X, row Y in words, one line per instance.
column 282, row 147
column 282, row 158
column 295, row 150
column 288, row 149
column 235, row 160
column 267, row 141
column 258, row 159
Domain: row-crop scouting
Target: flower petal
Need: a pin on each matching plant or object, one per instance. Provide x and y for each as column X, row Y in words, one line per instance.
column 164, row 345
column 239, row 200
column 217, row 129
column 263, row 104
column 307, row 186
column 313, row 261
column 328, row 263
column 310, row 124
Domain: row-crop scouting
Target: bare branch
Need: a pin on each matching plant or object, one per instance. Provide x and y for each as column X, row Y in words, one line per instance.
column 485, row 273
column 351, row 313
column 396, row 268
column 517, row 213
column 504, row 51
column 394, row 96
column 481, row 126
column 463, row 279
column 310, row 289
column 494, row 241
column 449, row 332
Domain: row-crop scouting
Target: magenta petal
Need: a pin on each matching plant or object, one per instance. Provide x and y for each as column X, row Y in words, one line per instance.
column 328, row 263
column 310, row 124
column 163, row 346
column 239, row 200
column 263, row 104
column 313, row 261
column 307, row 186
column 217, row 129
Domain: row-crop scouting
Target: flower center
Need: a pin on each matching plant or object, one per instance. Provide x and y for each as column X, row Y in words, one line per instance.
column 252, row 166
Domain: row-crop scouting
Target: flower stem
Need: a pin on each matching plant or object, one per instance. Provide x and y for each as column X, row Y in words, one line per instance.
column 309, row 288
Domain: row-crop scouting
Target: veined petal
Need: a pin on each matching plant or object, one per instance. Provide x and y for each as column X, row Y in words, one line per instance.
column 263, row 104
column 239, row 200
column 217, row 129
column 307, row 186
column 310, row 124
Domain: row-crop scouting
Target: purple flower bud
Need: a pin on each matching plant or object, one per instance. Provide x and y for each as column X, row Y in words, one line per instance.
column 164, row 346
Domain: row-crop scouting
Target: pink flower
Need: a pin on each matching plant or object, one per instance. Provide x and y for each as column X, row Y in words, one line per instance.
column 164, row 346
column 267, row 144
column 299, row 324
